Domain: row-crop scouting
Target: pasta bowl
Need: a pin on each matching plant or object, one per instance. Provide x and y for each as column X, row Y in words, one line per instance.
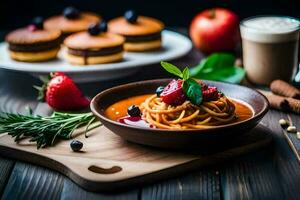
column 183, row 138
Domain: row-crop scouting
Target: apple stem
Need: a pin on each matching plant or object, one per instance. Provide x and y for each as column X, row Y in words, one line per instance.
column 212, row 13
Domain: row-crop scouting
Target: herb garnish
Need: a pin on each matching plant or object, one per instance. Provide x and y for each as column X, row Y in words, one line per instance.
column 191, row 88
column 193, row 91
column 45, row 130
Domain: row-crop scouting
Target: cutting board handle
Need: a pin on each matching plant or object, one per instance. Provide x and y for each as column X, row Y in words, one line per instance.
column 85, row 167
column 101, row 170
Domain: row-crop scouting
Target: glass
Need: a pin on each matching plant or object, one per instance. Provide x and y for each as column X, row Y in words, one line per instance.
column 270, row 48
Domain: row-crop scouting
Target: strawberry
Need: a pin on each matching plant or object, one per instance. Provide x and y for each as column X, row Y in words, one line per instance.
column 61, row 93
column 210, row 93
column 203, row 85
column 173, row 93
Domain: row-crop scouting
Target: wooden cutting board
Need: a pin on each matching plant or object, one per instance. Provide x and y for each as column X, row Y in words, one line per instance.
column 108, row 163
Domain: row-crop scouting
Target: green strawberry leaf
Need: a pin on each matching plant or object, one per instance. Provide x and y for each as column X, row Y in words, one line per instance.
column 193, row 91
column 171, row 69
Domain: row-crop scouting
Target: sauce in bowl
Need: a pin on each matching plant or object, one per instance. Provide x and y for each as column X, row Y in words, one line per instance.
column 118, row 111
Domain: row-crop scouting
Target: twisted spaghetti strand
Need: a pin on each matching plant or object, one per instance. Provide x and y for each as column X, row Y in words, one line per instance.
column 187, row 115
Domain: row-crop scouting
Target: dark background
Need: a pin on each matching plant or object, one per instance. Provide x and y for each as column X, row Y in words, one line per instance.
column 16, row 13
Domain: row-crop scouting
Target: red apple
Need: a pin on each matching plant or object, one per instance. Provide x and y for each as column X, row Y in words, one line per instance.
column 216, row 29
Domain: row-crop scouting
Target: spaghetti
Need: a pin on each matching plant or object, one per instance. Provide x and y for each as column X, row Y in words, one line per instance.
column 187, row 115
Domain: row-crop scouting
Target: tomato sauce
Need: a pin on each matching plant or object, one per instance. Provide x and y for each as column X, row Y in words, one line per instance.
column 118, row 111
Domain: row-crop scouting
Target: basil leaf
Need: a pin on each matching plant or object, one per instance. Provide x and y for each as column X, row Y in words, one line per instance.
column 193, row 91
column 231, row 75
column 186, row 74
column 198, row 69
column 219, row 67
column 171, row 69
column 219, row 60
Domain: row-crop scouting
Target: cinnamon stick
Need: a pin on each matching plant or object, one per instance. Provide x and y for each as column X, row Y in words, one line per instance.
column 294, row 104
column 284, row 89
column 282, row 103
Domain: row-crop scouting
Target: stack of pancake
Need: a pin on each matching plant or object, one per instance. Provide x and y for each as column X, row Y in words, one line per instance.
column 87, row 38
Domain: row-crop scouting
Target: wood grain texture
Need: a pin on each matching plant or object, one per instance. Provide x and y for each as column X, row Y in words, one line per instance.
column 6, row 167
column 137, row 164
column 33, row 182
column 71, row 191
column 251, row 177
column 13, row 86
column 203, row 184
column 16, row 92
column 291, row 138
column 284, row 159
column 271, row 174
column 26, row 181
column 42, row 180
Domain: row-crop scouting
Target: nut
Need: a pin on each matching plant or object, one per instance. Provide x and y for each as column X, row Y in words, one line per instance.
column 283, row 122
column 291, row 129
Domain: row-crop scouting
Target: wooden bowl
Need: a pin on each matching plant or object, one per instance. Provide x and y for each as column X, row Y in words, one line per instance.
column 179, row 139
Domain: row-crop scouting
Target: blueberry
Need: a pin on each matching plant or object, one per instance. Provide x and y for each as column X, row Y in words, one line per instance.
column 38, row 22
column 134, row 111
column 71, row 12
column 131, row 16
column 94, row 29
column 103, row 26
column 76, row 145
column 159, row 90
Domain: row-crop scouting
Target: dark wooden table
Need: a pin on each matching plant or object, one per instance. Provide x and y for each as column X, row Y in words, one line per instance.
column 269, row 173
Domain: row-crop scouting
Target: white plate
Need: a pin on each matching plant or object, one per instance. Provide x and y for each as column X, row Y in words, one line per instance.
column 175, row 45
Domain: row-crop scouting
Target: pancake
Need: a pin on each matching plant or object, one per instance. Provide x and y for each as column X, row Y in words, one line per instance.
column 33, row 45
column 95, row 53
column 142, row 35
column 34, row 56
column 80, row 60
column 84, row 48
column 143, row 38
column 142, row 46
column 69, row 26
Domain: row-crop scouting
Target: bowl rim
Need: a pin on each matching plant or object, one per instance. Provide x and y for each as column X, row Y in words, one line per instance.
column 255, row 117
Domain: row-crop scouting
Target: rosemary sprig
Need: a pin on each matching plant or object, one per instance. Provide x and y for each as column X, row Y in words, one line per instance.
column 45, row 130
